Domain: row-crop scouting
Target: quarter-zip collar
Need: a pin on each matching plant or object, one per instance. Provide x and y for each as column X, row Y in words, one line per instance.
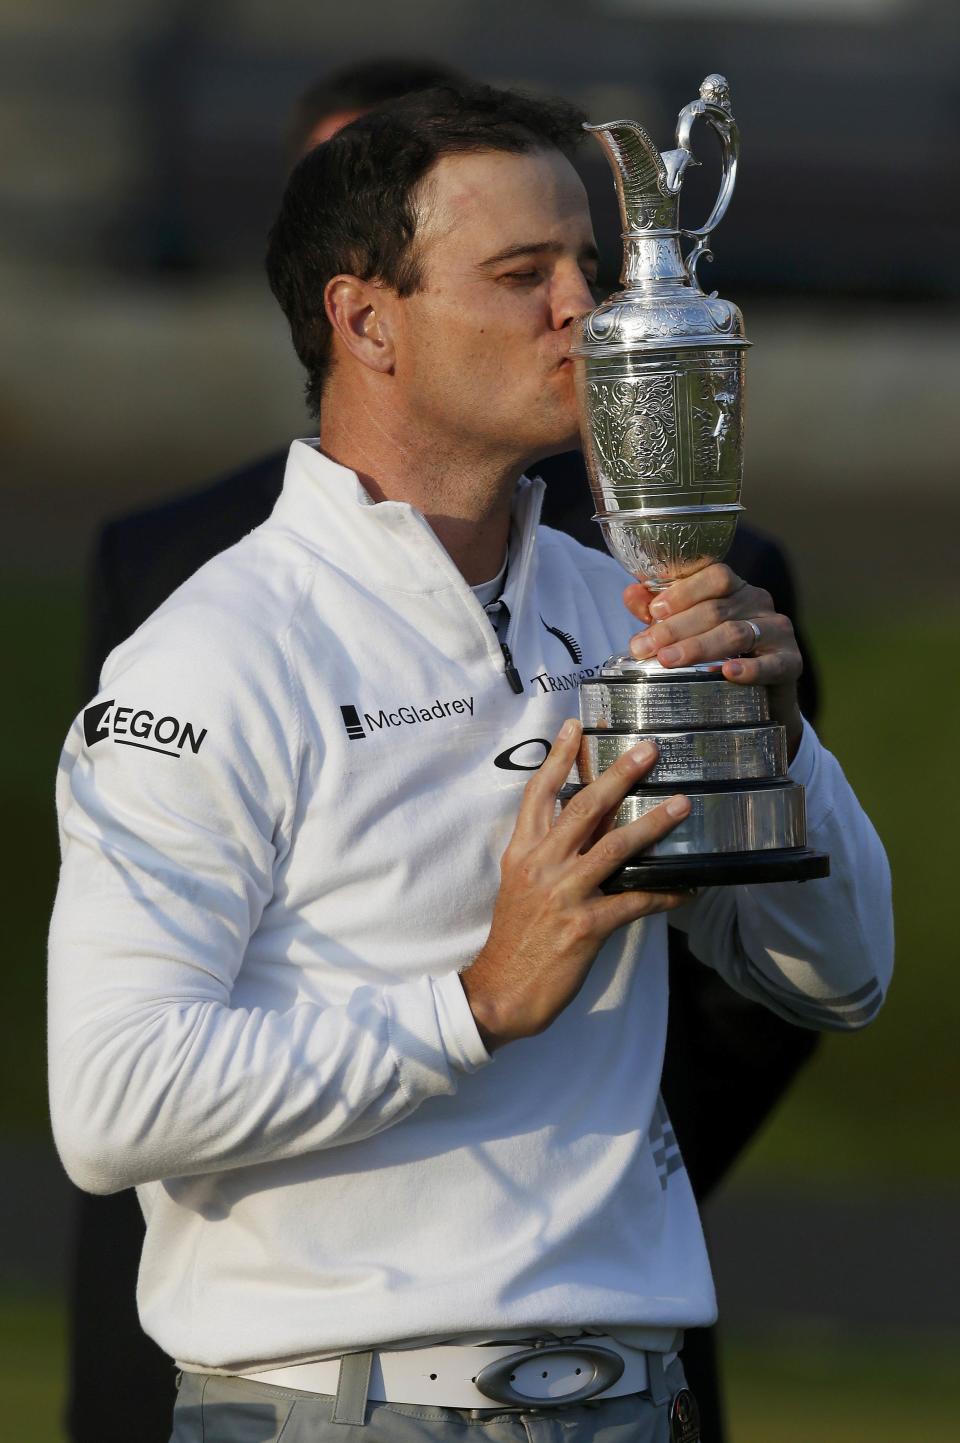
column 391, row 545
column 325, row 504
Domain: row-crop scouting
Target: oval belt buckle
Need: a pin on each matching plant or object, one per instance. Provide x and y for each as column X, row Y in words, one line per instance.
column 496, row 1380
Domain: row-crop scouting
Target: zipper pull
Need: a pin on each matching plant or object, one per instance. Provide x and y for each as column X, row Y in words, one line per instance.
column 513, row 676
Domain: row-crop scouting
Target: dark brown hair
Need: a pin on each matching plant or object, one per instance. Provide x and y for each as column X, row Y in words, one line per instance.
column 350, row 205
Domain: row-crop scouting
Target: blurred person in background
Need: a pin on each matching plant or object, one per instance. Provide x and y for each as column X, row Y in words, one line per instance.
column 728, row 1059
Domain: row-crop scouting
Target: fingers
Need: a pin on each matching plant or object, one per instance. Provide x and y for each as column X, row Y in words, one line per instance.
column 626, row 907
column 619, row 844
column 539, row 803
column 584, row 812
column 679, row 621
column 773, row 660
column 688, row 627
column 774, row 669
column 701, row 634
column 712, row 581
column 648, row 604
column 713, row 643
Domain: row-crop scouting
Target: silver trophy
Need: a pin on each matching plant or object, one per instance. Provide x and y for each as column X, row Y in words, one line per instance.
column 660, row 377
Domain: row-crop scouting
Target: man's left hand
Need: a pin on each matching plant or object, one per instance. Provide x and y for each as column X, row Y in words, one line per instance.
column 704, row 618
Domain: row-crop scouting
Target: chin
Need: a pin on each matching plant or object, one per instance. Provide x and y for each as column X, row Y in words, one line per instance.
column 565, row 440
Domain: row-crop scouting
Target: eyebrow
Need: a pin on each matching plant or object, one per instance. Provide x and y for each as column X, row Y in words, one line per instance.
column 529, row 248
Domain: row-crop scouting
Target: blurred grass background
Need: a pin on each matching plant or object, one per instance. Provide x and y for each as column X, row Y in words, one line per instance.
column 867, row 1110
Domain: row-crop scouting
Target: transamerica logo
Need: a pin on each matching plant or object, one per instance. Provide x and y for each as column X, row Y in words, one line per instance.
column 565, row 681
column 359, row 727
column 137, row 727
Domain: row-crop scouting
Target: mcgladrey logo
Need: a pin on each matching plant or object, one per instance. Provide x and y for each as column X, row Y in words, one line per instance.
column 130, row 726
column 359, row 726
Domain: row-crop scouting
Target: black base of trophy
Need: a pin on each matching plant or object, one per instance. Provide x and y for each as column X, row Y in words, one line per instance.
column 790, row 864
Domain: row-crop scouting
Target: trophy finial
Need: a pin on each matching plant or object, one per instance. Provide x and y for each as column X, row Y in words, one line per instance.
column 715, row 90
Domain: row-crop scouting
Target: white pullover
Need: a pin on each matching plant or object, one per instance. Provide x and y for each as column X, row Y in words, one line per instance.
column 281, row 824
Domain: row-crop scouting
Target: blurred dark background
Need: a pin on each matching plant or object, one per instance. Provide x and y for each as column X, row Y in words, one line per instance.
column 146, row 153
column 145, row 150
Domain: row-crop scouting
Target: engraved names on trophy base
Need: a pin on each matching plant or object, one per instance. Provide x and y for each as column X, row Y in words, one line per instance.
column 716, row 743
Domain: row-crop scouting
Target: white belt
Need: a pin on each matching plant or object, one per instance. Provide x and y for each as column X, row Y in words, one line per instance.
column 451, row 1376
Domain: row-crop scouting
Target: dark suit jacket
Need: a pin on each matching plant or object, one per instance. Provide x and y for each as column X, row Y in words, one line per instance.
column 727, row 1060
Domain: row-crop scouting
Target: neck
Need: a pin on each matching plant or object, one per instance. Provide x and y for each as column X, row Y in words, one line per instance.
column 465, row 497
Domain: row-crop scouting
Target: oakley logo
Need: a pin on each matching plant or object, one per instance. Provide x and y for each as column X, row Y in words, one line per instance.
column 570, row 642
column 527, row 756
column 130, row 727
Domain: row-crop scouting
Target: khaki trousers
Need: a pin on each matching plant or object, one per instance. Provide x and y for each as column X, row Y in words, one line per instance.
column 213, row 1409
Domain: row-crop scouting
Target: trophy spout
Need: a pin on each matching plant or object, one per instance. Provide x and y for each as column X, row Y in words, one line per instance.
column 647, row 187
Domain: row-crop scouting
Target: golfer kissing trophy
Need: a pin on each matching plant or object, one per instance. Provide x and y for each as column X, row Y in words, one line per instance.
column 659, row 373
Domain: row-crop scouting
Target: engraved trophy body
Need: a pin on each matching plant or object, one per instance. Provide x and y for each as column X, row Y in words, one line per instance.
column 659, row 370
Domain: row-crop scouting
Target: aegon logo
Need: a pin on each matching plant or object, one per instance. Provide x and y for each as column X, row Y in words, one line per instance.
column 518, row 759
column 129, row 727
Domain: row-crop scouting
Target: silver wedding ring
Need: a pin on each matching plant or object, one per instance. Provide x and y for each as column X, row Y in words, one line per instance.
column 756, row 636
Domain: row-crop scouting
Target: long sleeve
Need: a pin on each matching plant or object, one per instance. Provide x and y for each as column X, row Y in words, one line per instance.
column 176, row 794
column 817, row 953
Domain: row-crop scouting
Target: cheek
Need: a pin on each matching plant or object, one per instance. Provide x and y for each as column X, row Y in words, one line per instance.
column 454, row 348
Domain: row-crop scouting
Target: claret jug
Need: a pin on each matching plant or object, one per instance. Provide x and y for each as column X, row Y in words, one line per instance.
column 659, row 373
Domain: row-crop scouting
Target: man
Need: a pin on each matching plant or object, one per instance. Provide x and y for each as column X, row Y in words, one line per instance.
column 727, row 1059
column 273, row 1019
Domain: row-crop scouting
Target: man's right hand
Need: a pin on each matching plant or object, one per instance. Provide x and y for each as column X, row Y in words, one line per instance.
column 550, row 918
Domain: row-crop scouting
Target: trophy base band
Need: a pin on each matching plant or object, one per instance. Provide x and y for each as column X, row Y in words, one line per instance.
column 716, row 743
column 791, row 864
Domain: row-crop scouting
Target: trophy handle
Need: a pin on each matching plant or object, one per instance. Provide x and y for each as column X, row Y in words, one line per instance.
column 714, row 107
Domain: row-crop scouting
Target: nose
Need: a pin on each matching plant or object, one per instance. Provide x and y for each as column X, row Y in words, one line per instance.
column 572, row 296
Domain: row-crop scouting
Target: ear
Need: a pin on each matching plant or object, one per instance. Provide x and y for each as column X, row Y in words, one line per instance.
column 356, row 311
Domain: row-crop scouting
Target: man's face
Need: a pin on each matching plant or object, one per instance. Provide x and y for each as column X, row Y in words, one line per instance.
column 508, row 258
